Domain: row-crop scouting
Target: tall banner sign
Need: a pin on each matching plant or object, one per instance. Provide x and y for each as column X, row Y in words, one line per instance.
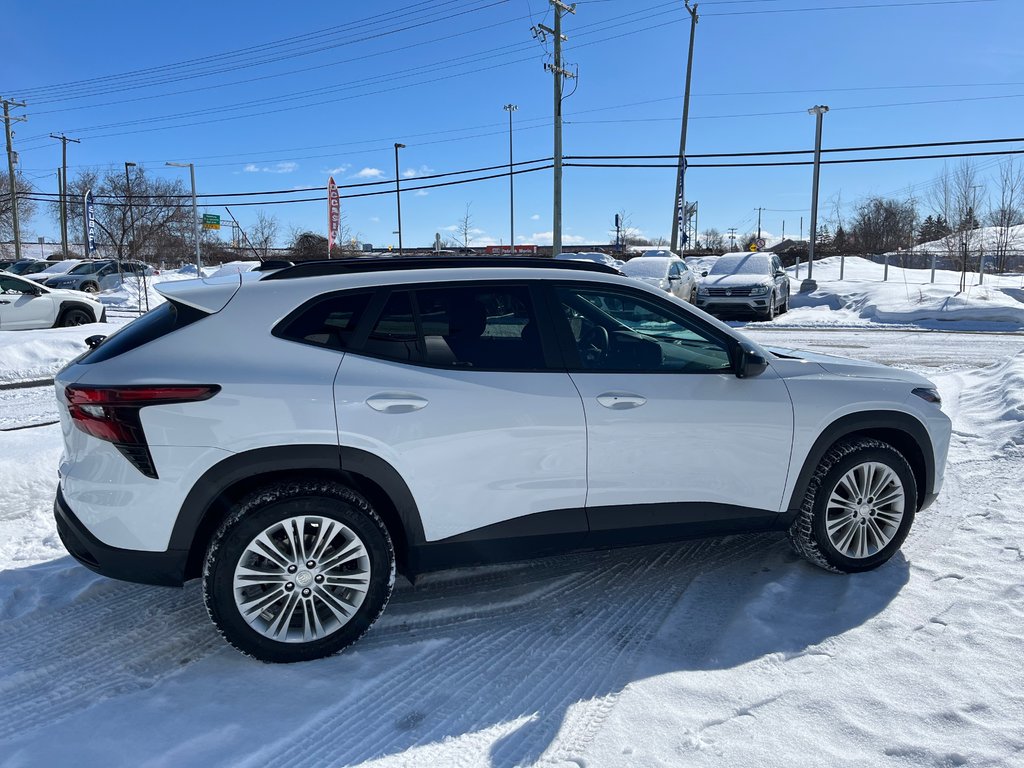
column 89, row 223
column 333, row 214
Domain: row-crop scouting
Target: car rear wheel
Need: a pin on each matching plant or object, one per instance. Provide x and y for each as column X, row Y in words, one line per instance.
column 298, row 571
column 90, row 288
column 74, row 317
column 859, row 507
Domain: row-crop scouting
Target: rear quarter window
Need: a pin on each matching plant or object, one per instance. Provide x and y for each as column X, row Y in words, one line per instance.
column 157, row 322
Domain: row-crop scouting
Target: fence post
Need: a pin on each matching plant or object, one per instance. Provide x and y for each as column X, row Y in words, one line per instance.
column 933, row 266
column 797, row 267
column 842, row 265
column 981, row 269
column 885, row 273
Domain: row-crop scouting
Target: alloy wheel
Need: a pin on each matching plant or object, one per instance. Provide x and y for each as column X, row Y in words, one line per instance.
column 864, row 510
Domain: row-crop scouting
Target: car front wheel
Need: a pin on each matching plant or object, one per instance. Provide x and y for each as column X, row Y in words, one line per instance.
column 298, row 571
column 74, row 317
column 858, row 509
column 91, row 288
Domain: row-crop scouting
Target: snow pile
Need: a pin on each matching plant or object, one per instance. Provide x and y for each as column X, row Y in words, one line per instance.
column 30, row 355
column 906, row 298
column 134, row 292
column 986, row 238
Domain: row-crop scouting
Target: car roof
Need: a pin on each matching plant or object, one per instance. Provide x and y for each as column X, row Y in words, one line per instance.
column 353, row 266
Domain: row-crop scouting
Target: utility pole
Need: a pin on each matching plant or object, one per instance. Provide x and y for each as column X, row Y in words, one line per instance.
column 732, row 239
column 809, row 284
column 679, row 204
column 64, row 189
column 759, row 223
column 398, row 197
column 559, row 73
column 195, row 212
column 131, row 210
column 510, row 108
column 11, row 160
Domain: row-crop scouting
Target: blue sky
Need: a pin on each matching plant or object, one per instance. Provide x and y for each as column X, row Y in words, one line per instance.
column 434, row 75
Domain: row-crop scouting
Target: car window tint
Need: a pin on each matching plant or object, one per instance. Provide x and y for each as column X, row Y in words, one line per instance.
column 488, row 327
column 9, row 285
column 394, row 335
column 619, row 331
column 330, row 322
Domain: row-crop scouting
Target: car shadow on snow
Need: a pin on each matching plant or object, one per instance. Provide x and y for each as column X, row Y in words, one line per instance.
column 501, row 665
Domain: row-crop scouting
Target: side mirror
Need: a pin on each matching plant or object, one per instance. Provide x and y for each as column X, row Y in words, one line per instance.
column 674, row 277
column 704, row 273
column 94, row 341
column 36, row 291
column 747, row 362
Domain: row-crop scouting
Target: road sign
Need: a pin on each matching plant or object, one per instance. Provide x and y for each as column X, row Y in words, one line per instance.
column 211, row 221
column 760, row 243
column 753, row 246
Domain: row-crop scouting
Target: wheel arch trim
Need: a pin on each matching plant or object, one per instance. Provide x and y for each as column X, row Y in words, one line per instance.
column 871, row 424
column 201, row 504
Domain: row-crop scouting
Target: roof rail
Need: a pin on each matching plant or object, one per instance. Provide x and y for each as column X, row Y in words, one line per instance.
column 372, row 264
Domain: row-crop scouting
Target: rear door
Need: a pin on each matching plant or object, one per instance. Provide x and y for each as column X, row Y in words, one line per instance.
column 456, row 387
column 676, row 440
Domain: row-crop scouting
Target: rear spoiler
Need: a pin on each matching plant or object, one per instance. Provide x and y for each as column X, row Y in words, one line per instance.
column 210, row 295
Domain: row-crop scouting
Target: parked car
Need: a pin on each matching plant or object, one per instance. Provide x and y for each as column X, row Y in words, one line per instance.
column 96, row 276
column 27, row 267
column 594, row 256
column 659, row 253
column 745, row 282
column 54, row 268
column 26, row 305
column 667, row 273
column 297, row 438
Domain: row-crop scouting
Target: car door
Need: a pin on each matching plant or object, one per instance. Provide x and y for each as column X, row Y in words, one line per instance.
column 781, row 280
column 459, row 390
column 21, row 308
column 675, row 440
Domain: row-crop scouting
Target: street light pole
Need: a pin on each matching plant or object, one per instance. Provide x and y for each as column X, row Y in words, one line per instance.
column 398, row 197
column 195, row 213
column 510, row 108
column 809, row 284
column 679, row 204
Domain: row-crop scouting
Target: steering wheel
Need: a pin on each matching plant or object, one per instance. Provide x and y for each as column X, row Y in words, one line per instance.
column 594, row 343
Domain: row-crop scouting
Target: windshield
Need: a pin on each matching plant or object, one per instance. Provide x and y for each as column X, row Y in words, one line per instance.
column 59, row 268
column 85, row 269
column 754, row 264
column 645, row 267
column 22, row 267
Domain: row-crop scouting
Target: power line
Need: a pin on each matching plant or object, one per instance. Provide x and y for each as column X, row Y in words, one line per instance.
column 851, row 7
column 783, row 163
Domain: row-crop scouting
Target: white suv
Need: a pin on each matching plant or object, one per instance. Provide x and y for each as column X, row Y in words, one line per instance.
column 296, row 438
column 25, row 305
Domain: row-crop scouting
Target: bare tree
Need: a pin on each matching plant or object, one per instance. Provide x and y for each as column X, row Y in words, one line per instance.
column 1009, row 211
column 955, row 196
column 465, row 228
column 160, row 209
column 26, row 207
column 882, row 225
column 714, row 240
column 263, row 233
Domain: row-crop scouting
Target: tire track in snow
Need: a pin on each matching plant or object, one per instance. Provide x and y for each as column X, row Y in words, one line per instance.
column 557, row 663
column 55, row 663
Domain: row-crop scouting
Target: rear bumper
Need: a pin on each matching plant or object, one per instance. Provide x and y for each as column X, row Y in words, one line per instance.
column 163, row 568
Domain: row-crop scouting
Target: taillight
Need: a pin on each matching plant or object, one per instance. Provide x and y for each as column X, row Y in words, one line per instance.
column 112, row 414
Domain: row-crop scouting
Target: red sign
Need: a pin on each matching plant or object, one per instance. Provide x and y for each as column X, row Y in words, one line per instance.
column 498, row 249
column 333, row 214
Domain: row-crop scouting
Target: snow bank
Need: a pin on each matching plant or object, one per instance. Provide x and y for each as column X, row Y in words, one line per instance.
column 907, row 298
column 29, row 355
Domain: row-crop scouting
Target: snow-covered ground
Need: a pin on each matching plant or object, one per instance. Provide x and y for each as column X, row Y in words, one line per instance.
column 723, row 652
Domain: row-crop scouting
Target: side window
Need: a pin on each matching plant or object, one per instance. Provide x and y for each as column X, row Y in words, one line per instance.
column 330, row 322
column 13, row 286
column 485, row 327
column 624, row 332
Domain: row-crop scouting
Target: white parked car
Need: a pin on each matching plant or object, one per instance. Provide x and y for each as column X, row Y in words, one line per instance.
column 667, row 273
column 26, row 305
column 594, row 256
column 297, row 439
column 745, row 282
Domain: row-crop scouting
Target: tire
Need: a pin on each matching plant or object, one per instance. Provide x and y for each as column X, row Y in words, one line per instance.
column 75, row 316
column 784, row 307
column 313, row 618
column 90, row 288
column 693, row 296
column 830, row 503
column 769, row 314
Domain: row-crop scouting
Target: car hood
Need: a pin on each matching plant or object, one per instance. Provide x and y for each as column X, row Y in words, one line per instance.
column 847, row 366
column 732, row 281
column 64, row 293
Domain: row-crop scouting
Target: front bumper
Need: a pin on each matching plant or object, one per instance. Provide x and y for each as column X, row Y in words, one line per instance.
column 163, row 568
column 727, row 304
